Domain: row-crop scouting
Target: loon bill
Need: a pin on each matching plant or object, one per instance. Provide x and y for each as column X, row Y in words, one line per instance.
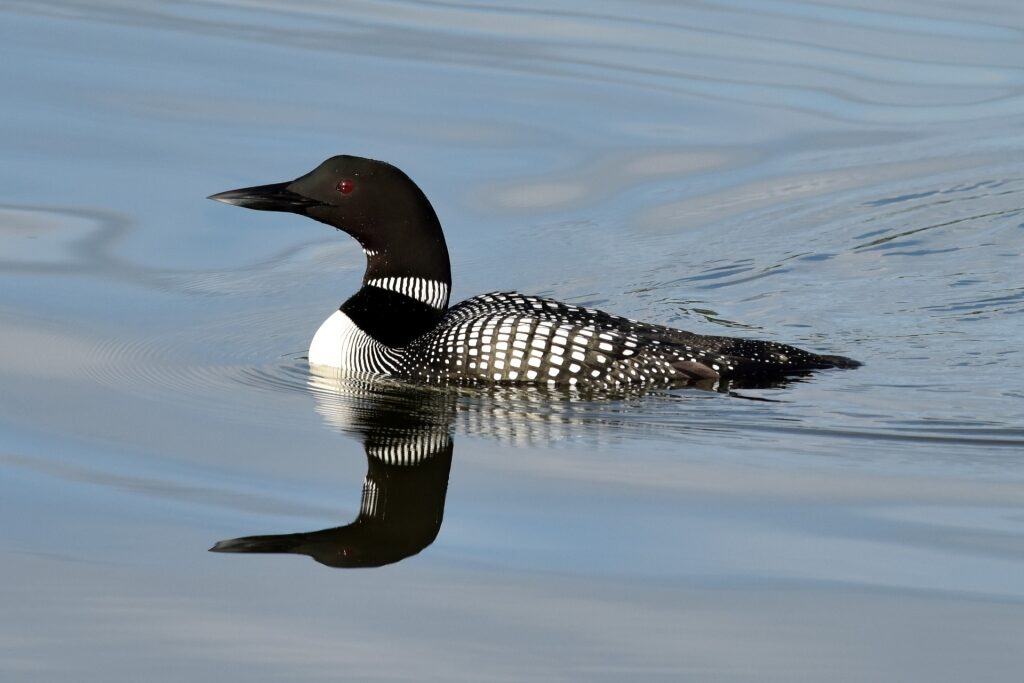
column 399, row 323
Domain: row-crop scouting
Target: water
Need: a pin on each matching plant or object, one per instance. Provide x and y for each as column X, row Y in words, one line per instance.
column 847, row 179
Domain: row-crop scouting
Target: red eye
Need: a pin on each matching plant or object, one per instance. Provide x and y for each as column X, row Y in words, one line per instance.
column 346, row 186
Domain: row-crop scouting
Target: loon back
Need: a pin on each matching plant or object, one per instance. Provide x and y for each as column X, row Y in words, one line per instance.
column 398, row 324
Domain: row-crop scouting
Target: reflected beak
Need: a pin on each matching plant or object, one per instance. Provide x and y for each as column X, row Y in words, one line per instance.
column 276, row 197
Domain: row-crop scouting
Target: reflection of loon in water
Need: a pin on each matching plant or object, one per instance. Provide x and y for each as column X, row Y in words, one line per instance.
column 400, row 515
column 406, row 432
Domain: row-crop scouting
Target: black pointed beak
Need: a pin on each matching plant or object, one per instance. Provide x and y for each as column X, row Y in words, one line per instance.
column 276, row 197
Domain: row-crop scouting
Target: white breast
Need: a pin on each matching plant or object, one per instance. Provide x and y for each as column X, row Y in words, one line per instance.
column 339, row 343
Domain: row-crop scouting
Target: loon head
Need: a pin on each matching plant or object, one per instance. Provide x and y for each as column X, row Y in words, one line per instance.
column 374, row 202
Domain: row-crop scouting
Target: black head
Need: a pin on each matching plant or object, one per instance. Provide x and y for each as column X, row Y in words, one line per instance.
column 372, row 201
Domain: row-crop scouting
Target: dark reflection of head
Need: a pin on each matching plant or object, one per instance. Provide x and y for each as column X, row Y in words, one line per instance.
column 406, row 433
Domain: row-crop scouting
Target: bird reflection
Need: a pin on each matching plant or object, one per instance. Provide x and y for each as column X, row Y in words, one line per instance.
column 406, row 431
column 400, row 515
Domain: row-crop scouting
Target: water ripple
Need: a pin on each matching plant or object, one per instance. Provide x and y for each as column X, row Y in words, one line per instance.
column 883, row 68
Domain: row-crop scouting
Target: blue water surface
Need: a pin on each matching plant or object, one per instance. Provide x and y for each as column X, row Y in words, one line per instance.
column 847, row 179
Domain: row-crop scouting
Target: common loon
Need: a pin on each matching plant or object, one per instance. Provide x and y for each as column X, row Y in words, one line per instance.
column 399, row 323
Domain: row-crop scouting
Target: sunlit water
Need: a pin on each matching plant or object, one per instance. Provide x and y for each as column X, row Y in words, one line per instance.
column 849, row 180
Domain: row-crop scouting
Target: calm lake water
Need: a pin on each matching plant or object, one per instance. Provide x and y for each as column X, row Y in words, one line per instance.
column 846, row 179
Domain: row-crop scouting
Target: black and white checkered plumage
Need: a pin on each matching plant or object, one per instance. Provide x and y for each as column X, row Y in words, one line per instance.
column 399, row 324
column 506, row 337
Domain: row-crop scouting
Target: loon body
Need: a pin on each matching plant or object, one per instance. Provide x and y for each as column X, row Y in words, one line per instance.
column 399, row 323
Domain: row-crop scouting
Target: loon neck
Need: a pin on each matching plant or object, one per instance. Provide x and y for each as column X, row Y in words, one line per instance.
column 408, row 273
column 420, row 255
column 406, row 284
column 391, row 316
column 419, row 269
column 405, row 242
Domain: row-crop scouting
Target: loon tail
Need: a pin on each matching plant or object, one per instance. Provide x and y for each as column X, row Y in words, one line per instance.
column 757, row 358
column 840, row 362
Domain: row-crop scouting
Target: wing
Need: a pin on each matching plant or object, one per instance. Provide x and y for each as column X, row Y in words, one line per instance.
column 509, row 337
